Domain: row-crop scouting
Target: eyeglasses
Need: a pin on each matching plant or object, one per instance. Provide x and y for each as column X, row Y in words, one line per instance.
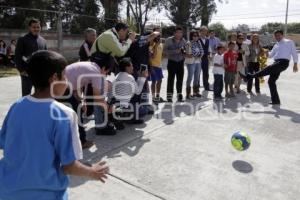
column 240, row 38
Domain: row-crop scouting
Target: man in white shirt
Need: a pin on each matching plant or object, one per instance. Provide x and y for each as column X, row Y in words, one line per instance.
column 282, row 52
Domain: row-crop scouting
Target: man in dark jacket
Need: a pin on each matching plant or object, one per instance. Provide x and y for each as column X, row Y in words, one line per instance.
column 26, row 46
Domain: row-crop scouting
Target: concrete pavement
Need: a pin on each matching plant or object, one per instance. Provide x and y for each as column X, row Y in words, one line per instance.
column 187, row 155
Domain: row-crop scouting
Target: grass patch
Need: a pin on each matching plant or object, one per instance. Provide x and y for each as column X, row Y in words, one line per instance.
column 8, row 71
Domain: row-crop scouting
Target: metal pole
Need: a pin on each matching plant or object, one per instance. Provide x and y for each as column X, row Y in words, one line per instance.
column 286, row 17
column 59, row 33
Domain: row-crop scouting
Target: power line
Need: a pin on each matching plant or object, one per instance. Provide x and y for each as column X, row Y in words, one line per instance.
column 54, row 11
column 258, row 17
column 256, row 13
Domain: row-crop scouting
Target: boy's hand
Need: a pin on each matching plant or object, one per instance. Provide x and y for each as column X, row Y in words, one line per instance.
column 99, row 172
column 295, row 68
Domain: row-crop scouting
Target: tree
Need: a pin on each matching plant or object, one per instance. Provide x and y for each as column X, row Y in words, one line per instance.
column 220, row 30
column 140, row 10
column 89, row 8
column 189, row 12
column 244, row 28
column 293, row 28
column 182, row 12
column 17, row 17
column 111, row 14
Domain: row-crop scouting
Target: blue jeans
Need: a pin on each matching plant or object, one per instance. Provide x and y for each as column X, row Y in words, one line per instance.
column 194, row 71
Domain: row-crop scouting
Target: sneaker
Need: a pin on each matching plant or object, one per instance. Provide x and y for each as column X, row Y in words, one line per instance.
column 110, row 129
column 88, row 144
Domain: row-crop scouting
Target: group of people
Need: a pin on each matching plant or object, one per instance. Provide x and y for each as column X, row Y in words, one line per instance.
column 7, row 53
column 49, row 140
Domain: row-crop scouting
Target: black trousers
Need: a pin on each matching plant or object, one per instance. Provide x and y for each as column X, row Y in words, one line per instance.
column 205, row 72
column 218, row 85
column 26, row 85
column 253, row 67
column 175, row 69
column 274, row 71
column 89, row 92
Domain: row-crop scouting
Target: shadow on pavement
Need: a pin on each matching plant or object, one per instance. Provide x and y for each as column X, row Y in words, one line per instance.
column 242, row 166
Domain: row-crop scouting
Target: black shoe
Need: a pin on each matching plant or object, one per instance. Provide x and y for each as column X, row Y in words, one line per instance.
column 119, row 125
column 161, row 100
column 197, row 95
column 170, row 100
column 180, row 98
column 136, row 121
column 274, row 103
column 110, row 129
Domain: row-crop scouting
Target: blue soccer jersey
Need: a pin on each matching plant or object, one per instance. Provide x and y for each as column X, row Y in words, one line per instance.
column 38, row 137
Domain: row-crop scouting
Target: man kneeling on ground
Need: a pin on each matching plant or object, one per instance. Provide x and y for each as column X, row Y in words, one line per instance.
column 126, row 89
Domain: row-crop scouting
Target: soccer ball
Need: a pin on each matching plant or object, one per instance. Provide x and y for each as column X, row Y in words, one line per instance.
column 240, row 141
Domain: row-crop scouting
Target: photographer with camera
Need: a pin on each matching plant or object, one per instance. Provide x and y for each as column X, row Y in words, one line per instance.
column 112, row 43
column 174, row 48
column 139, row 55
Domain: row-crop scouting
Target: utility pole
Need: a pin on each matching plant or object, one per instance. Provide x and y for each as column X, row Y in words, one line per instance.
column 59, row 33
column 286, row 17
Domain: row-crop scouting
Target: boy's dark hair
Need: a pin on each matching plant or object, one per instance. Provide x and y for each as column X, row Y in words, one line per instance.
column 178, row 28
column 33, row 21
column 278, row 31
column 221, row 46
column 121, row 26
column 44, row 64
column 125, row 62
column 231, row 43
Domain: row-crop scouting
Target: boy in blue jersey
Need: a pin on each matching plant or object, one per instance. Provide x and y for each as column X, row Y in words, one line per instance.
column 41, row 148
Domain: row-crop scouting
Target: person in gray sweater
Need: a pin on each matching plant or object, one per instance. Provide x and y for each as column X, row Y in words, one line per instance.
column 174, row 49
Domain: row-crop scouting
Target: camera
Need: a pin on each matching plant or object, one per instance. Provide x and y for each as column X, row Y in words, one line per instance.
column 143, row 68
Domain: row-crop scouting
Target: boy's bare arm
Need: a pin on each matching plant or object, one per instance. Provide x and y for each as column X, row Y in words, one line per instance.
column 96, row 172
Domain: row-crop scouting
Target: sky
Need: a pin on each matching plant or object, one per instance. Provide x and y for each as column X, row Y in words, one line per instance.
column 252, row 12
